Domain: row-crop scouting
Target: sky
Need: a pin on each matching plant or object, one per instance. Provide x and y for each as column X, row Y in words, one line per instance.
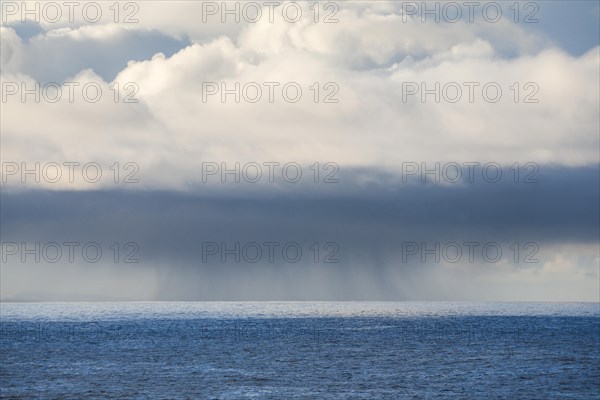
column 349, row 150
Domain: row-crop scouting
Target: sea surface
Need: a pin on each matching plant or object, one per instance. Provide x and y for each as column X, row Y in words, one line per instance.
column 300, row 350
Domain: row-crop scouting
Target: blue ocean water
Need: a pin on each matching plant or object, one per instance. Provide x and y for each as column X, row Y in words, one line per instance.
column 307, row 350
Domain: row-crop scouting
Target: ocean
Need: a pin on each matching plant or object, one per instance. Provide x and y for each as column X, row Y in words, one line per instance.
column 300, row 350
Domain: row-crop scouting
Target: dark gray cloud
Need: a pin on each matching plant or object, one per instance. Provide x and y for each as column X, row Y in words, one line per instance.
column 368, row 227
column 562, row 206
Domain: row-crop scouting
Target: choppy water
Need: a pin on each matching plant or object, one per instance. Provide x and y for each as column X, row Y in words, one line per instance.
column 317, row 350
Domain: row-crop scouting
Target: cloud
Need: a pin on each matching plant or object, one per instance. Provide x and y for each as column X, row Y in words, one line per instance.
column 367, row 60
column 55, row 55
column 368, row 63
column 367, row 229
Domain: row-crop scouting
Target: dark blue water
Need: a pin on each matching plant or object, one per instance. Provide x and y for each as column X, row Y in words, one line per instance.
column 300, row 350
